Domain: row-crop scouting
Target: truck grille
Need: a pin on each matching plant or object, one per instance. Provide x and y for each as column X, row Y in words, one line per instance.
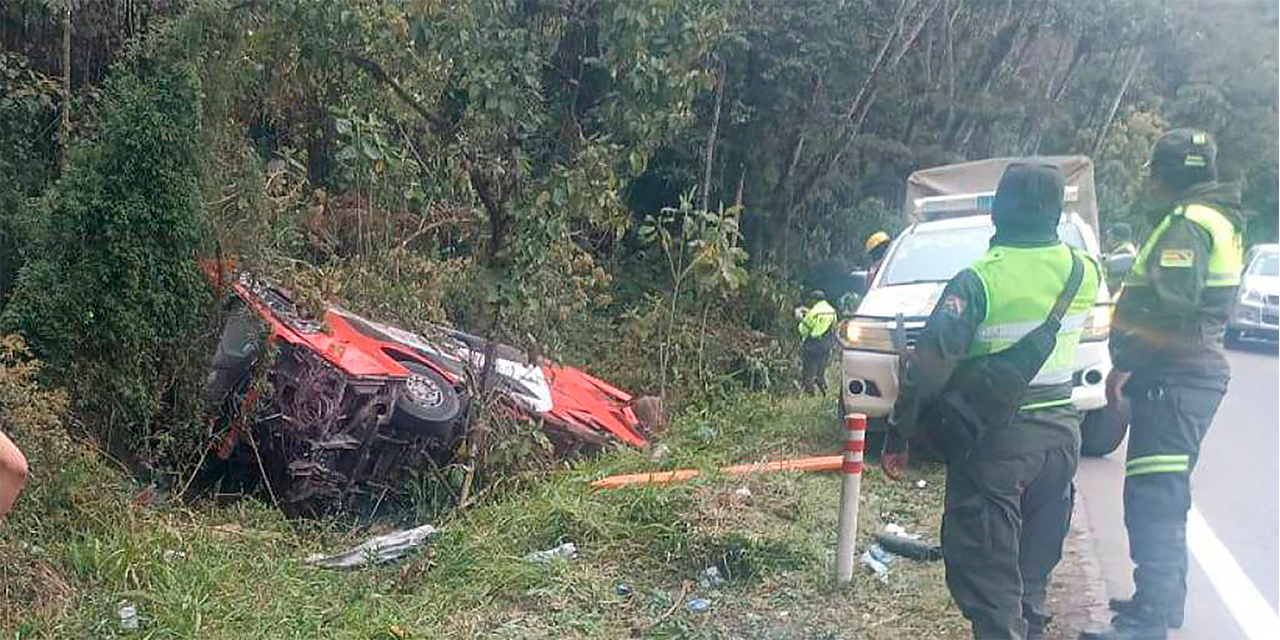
column 912, row 335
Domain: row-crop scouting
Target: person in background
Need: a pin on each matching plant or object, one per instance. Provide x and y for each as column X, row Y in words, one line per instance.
column 1166, row 347
column 876, row 246
column 13, row 473
column 1121, row 237
column 817, row 322
column 1009, row 471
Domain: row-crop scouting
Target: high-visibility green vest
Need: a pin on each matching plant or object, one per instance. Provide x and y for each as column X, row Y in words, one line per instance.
column 818, row 320
column 1226, row 260
column 1021, row 286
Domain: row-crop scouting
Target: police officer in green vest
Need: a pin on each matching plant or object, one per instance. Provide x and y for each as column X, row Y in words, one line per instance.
column 1009, row 479
column 1166, row 346
column 816, row 322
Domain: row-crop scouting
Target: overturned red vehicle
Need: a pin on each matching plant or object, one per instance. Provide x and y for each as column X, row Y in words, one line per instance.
column 353, row 401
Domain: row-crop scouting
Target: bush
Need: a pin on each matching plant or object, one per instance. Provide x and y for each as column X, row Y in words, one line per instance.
column 110, row 296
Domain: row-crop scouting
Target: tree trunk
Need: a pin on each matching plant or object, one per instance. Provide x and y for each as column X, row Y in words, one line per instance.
column 65, row 130
column 1115, row 104
column 992, row 60
column 711, row 139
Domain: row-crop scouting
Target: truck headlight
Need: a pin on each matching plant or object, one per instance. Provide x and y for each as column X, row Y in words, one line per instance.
column 1250, row 295
column 866, row 335
column 1098, row 326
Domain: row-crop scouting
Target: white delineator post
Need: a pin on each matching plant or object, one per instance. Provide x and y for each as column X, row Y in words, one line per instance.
column 855, row 431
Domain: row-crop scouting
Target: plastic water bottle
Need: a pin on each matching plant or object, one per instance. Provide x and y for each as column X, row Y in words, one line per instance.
column 128, row 616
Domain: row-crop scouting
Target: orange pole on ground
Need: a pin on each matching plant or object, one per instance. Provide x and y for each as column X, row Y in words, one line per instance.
column 822, row 463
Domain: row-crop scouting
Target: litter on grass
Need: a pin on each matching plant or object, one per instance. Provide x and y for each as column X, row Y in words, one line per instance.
column 383, row 548
column 878, row 560
column 566, row 551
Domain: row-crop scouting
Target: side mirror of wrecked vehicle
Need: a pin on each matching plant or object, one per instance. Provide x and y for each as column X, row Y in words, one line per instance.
column 1119, row 264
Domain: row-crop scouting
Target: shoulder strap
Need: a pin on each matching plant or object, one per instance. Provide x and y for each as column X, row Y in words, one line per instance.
column 1069, row 292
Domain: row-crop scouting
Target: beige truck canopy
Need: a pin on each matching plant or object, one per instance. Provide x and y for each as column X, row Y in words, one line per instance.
column 963, row 188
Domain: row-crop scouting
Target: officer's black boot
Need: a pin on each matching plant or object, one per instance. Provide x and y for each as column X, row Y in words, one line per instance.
column 1173, row 617
column 1142, row 623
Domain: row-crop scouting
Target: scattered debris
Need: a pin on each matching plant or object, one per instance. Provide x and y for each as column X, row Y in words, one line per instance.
column 922, row 483
column 710, row 578
column 380, row 549
column 897, row 541
column 128, row 616
column 622, row 589
column 698, row 605
column 823, row 463
column 743, row 492
column 878, row 560
column 566, row 551
column 171, row 555
column 659, row 452
column 909, row 547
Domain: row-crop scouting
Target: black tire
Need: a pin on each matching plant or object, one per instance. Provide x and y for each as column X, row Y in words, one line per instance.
column 1232, row 338
column 1102, row 431
column 427, row 402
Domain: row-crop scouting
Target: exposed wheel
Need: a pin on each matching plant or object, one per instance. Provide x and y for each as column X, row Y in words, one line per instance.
column 427, row 402
column 1102, row 431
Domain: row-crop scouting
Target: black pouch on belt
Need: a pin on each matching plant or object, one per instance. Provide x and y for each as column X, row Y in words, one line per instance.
column 986, row 391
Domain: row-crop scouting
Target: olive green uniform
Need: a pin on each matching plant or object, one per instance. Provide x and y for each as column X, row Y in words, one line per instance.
column 1168, row 332
column 1008, row 503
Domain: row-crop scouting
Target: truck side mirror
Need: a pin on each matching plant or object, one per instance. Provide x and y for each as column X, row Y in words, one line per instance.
column 1119, row 264
column 858, row 282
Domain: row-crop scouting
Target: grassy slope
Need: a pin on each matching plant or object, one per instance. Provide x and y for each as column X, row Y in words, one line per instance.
column 234, row 571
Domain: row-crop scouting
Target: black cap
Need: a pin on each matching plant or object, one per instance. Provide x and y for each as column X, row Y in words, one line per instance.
column 1029, row 199
column 1184, row 157
column 817, row 294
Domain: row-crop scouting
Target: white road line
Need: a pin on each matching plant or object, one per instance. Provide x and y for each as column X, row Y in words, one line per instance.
column 1254, row 614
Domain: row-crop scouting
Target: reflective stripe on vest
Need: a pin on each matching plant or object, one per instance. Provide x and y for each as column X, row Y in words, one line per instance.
column 818, row 320
column 1226, row 259
column 1021, row 286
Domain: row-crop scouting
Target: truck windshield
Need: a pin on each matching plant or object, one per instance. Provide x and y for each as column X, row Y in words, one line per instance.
column 1267, row 264
column 937, row 255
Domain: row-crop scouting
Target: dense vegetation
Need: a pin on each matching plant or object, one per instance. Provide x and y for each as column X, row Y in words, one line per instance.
column 639, row 187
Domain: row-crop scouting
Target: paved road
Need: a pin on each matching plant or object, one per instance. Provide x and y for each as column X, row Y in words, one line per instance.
column 1235, row 490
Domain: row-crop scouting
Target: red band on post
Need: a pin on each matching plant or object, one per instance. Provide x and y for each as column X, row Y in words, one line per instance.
column 855, row 445
column 851, row 466
column 856, row 422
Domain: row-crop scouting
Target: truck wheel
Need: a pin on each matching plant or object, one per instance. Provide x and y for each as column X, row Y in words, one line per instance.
column 427, row 402
column 1102, row 431
column 1232, row 338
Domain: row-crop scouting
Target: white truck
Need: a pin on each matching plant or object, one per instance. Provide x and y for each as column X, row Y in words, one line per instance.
column 948, row 211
